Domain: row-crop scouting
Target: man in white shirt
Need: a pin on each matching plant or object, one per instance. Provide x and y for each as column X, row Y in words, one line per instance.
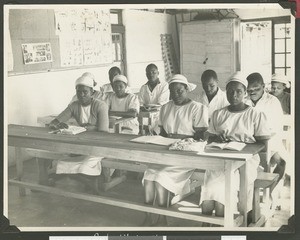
column 212, row 97
column 271, row 106
column 154, row 91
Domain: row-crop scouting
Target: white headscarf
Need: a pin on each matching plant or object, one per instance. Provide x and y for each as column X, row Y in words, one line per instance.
column 85, row 81
column 121, row 78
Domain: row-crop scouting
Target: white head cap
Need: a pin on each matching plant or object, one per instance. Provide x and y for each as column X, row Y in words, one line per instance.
column 85, row 81
column 238, row 77
column 89, row 75
column 121, row 78
column 280, row 78
column 178, row 78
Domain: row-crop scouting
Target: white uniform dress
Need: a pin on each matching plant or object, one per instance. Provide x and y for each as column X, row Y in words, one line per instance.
column 178, row 120
column 241, row 126
column 87, row 165
column 271, row 106
column 159, row 95
column 123, row 105
column 219, row 101
column 106, row 89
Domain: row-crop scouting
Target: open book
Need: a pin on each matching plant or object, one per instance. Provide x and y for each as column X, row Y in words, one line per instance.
column 71, row 130
column 236, row 146
column 159, row 140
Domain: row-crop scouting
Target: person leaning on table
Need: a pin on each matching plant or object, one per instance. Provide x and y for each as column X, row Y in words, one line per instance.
column 89, row 113
column 236, row 122
column 179, row 118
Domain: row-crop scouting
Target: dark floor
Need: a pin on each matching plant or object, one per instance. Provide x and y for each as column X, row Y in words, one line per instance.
column 39, row 209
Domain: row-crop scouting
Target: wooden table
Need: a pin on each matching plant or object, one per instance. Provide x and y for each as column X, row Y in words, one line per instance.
column 119, row 146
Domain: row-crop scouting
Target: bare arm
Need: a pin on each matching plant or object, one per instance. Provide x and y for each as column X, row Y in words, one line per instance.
column 129, row 113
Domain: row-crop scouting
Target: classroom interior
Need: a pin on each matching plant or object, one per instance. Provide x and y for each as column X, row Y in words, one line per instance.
column 187, row 41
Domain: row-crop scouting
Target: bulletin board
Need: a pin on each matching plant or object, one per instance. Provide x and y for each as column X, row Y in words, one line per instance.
column 77, row 38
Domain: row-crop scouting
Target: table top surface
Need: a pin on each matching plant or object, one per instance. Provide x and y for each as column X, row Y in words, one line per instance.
column 111, row 140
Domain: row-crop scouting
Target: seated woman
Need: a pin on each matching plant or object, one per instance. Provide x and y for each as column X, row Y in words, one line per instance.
column 279, row 85
column 154, row 92
column 179, row 118
column 124, row 104
column 236, row 122
column 89, row 113
column 107, row 88
column 96, row 94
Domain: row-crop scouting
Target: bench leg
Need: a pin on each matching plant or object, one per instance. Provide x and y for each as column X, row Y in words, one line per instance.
column 256, row 206
column 42, row 170
column 19, row 166
column 110, row 182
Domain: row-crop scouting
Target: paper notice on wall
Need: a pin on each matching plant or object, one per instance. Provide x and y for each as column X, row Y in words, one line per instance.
column 91, row 28
column 37, row 53
column 71, row 51
column 69, row 22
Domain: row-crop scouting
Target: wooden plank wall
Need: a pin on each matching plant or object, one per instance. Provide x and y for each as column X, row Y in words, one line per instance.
column 209, row 45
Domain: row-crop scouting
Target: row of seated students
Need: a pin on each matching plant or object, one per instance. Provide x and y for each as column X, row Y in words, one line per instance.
column 244, row 113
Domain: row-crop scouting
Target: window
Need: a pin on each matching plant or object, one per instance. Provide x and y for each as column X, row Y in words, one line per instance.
column 282, row 48
column 117, row 47
column 118, row 39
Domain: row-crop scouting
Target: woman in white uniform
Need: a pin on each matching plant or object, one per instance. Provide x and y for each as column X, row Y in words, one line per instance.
column 236, row 122
column 122, row 103
column 89, row 113
column 179, row 118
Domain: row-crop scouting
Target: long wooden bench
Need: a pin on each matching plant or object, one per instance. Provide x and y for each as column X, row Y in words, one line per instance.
column 264, row 180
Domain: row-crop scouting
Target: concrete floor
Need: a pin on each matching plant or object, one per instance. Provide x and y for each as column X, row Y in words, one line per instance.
column 39, row 209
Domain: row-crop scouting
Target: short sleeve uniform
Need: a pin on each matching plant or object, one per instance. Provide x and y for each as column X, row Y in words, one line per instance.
column 106, row 89
column 88, row 165
column 271, row 106
column 123, row 105
column 241, row 126
column 178, row 120
column 159, row 95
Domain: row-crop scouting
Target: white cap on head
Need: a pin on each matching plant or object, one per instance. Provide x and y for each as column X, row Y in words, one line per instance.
column 238, row 77
column 280, row 78
column 121, row 78
column 88, row 74
column 85, row 81
column 178, row 78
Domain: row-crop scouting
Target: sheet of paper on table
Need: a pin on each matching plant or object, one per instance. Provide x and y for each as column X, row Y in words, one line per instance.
column 158, row 140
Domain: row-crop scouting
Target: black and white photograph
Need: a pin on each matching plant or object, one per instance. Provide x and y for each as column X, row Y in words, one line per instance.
column 166, row 117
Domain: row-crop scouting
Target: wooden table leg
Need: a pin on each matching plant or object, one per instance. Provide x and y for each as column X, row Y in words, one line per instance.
column 19, row 166
column 243, row 195
column 228, row 214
